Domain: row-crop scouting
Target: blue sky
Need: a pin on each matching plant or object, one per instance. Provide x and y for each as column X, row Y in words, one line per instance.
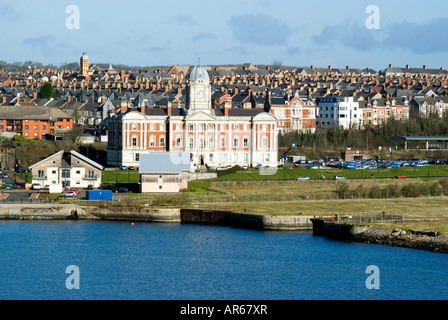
column 170, row 32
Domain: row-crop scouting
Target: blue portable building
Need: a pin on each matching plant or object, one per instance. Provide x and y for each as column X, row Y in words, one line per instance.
column 99, row 195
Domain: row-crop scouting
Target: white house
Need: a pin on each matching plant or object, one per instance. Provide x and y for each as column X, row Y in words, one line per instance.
column 70, row 170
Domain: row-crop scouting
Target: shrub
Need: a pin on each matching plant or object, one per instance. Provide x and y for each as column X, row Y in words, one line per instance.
column 228, row 171
column 342, row 190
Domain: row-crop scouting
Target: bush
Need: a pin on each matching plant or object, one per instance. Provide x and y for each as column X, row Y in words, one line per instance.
column 228, row 171
column 415, row 190
column 342, row 190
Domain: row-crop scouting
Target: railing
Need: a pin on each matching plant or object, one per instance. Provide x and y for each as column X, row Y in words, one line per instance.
column 39, row 177
column 91, row 177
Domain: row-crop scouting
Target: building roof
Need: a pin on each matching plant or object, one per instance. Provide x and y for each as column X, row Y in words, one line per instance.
column 32, row 113
column 420, row 138
column 43, row 160
column 84, row 158
column 164, row 162
column 199, row 73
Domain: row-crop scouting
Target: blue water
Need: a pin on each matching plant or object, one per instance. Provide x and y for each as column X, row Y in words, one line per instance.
column 117, row 260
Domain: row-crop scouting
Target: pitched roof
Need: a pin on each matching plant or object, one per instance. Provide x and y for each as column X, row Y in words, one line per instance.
column 32, row 113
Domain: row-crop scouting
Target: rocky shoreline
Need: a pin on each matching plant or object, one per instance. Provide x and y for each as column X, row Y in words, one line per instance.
column 430, row 241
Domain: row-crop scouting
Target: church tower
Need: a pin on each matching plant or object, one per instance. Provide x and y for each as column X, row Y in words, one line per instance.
column 199, row 91
column 84, row 65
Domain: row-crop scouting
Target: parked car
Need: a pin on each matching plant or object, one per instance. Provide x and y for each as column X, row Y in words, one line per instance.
column 11, row 186
column 302, row 178
column 338, row 178
column 5, row 175
column 400, row 176
column 259, row 166
column 123, row 168
column 121, row 189
column 37, row 186
column 69, row 194
column 74, row 190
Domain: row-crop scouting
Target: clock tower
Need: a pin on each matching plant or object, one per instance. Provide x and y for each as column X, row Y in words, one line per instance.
column 199, row 90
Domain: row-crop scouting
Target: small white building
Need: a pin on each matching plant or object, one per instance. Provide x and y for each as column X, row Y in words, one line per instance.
column 164, row 172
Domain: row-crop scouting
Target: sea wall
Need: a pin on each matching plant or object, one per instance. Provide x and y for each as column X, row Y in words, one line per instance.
column 430, row 241
column 244, row 220
column 71, row 211
column 43, row 212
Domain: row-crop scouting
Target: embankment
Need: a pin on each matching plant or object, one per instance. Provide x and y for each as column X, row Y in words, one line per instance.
column 71, row 211
column 168, row 215
column 244, row 220
column 429, row 241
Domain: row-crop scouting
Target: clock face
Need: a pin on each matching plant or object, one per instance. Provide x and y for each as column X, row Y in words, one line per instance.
column 200, row 94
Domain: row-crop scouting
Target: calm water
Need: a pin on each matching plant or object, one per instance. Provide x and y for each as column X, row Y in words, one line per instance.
column 161, row 261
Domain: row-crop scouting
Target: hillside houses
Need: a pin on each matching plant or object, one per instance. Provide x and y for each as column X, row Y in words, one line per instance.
column 296, row 96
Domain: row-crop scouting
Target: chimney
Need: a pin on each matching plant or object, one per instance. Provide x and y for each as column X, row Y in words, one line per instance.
column 3, row 99
column 168, row 108
column 179, row 90
column 390, row 65
column 424, row 66
column 69, row 98
column 227, row 106
column 34, row 95
column 407, row 67
column 103, row 99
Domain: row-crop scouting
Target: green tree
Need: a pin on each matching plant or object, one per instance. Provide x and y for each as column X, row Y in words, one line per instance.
column 17, row 141
column 46, row 91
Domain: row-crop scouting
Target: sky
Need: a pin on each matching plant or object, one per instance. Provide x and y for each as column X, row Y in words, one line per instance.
column 179, row 32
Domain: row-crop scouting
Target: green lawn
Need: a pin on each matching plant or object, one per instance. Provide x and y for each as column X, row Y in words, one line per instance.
column 292, row 173
column 287, row 173
column 119, row 176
